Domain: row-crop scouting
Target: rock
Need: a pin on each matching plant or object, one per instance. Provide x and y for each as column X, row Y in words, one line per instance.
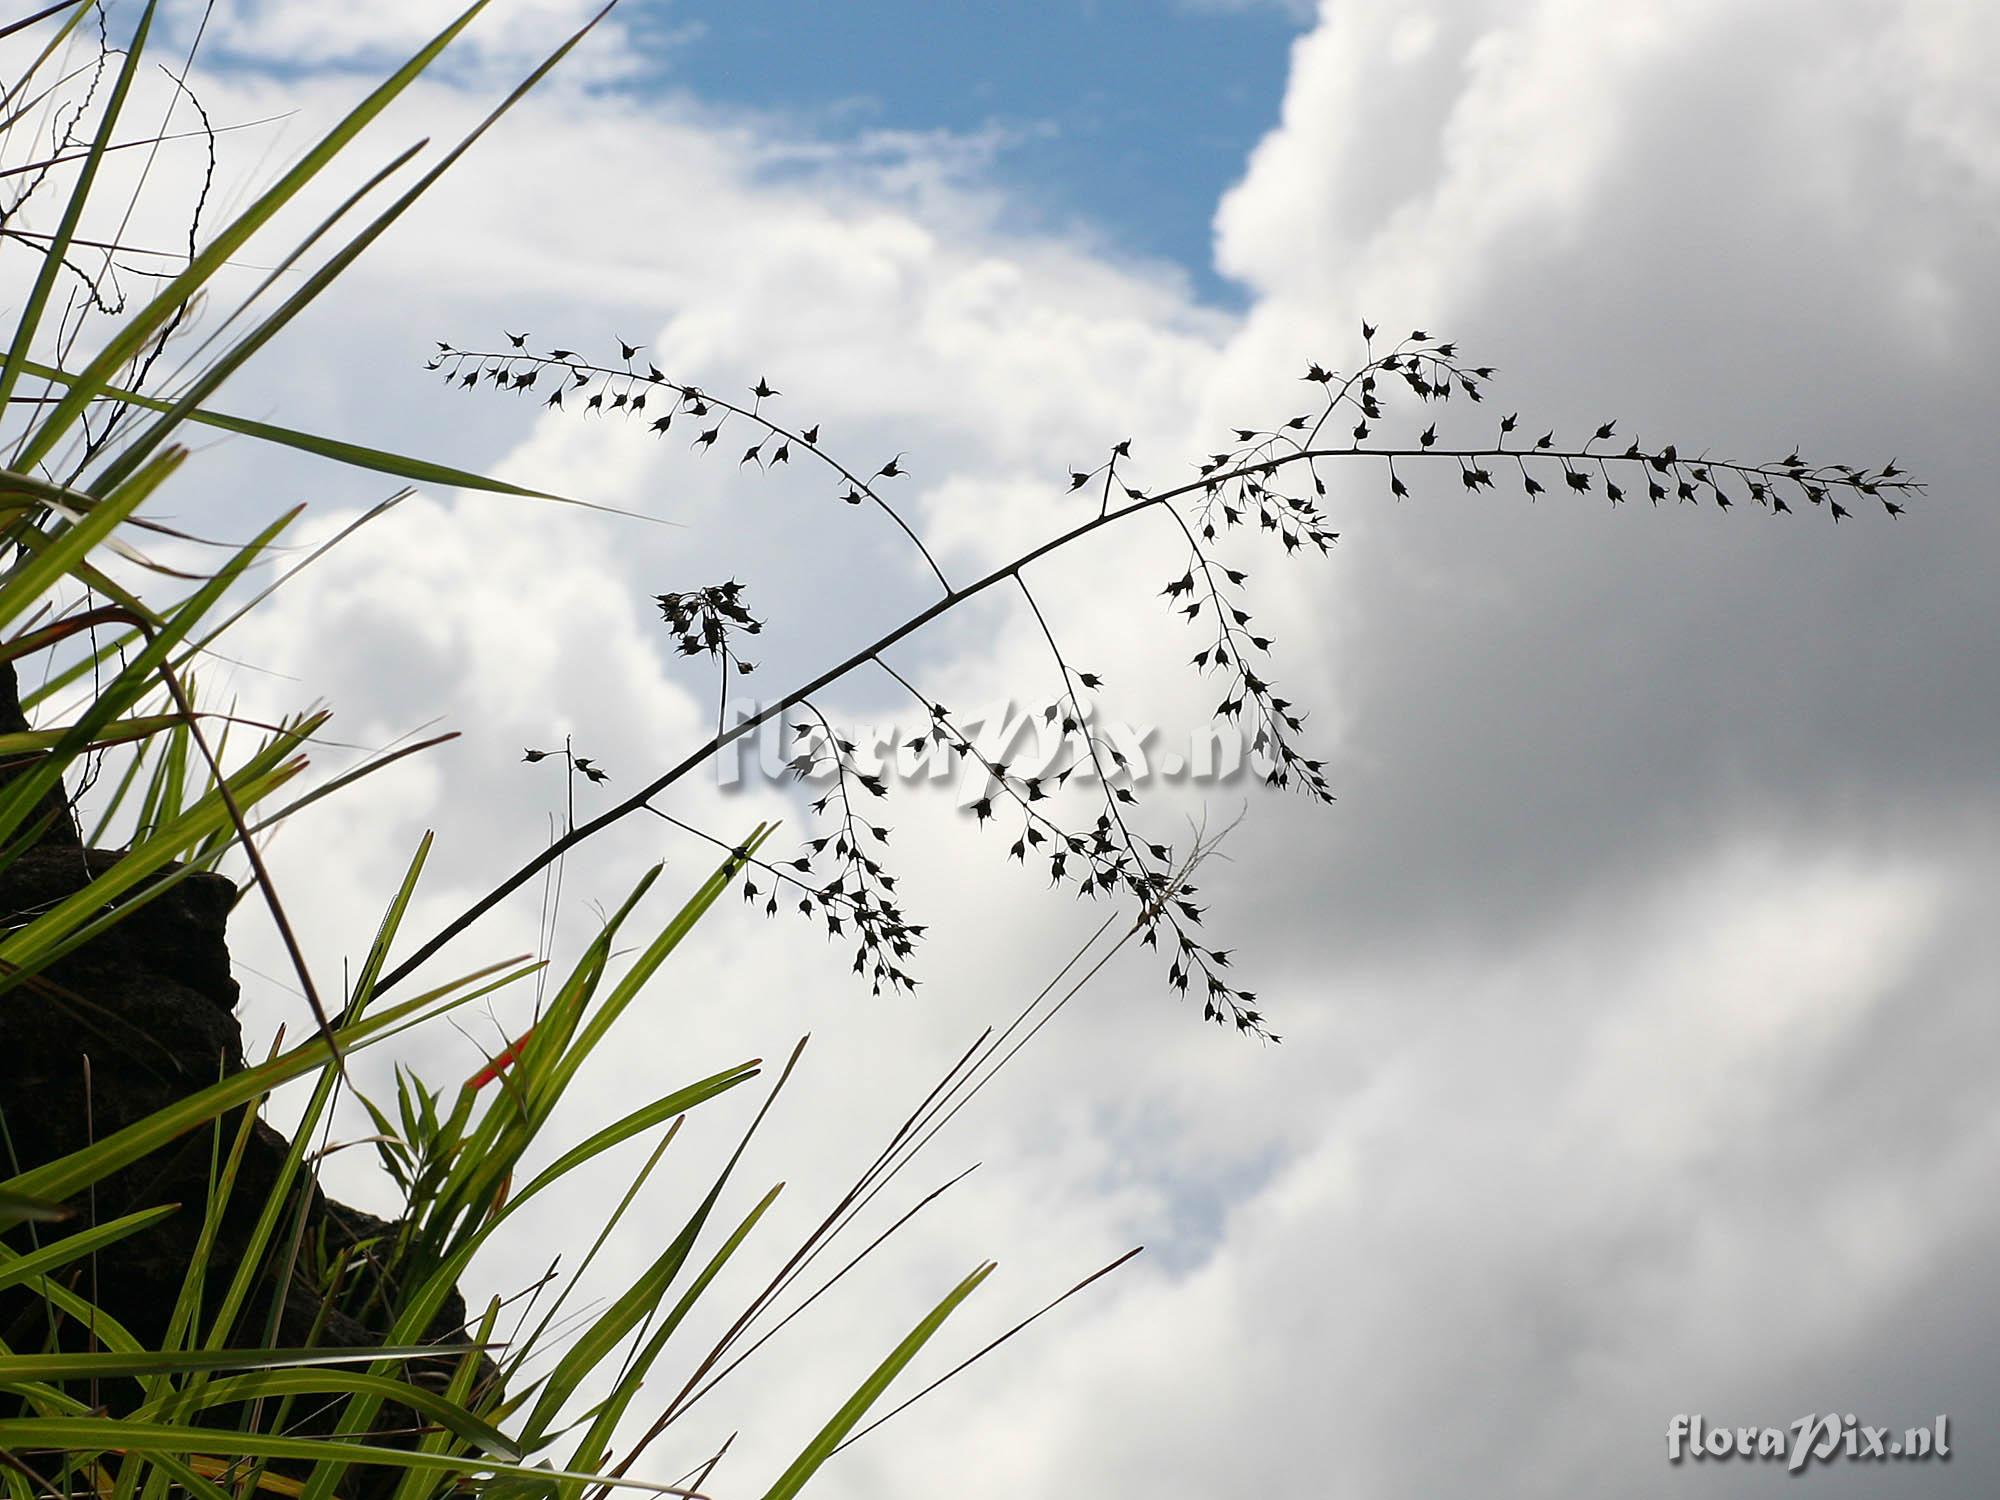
column 58, row 823
column 140, row 1016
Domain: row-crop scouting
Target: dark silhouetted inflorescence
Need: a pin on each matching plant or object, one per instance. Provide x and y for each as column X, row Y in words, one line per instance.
column 1269, row 483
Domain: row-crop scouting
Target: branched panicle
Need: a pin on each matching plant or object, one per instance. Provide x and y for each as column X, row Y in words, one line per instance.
column 1104, row 859
column 1269, row 484
column 627, row 390
column 852, row 892
column 703, row 621
column 581, row 765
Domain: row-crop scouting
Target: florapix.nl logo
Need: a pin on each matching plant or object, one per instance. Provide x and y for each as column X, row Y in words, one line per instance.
column 962, row 757
column 1814, row 1438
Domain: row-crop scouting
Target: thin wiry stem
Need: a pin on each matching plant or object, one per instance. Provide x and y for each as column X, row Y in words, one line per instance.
column 697, row 757
column 41, row 15
column 827, row 1285
column 1089, row 739
column 938, row 1110
column 987, row 1349
column 1233, row 488
column 776, row 872
column 505, row 367
column 1253, row 469
column 1107, row 869
column 151, row 140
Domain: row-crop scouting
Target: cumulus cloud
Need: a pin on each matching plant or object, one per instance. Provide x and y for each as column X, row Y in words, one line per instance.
column 369, row 34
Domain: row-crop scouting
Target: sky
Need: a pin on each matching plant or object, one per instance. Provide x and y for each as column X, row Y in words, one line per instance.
column 1636, row 992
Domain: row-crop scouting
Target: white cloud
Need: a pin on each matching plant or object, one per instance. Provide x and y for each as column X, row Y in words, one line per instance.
column 369, row 34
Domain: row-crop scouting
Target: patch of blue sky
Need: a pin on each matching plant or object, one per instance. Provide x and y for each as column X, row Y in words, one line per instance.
column 1124, row 120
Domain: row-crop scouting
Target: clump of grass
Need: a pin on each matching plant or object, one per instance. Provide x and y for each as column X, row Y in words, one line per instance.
column 217, row 1407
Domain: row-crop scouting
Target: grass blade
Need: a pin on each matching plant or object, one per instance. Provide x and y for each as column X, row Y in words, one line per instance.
column 830, row 1437
column 52, row 259
column 74, row 1247
column 354, row 455
column 141, row 325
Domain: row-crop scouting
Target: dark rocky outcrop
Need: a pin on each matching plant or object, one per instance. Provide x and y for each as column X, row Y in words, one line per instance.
column 140, row 1016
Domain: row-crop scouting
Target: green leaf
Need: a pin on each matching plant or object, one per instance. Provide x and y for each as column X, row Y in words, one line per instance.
column 64, row 1365
column 355, row 455
column 141, row 325
column 77, row 918
column 820, row 1449
column 16, row 1208
column 109, row 1332
column 134, row 679
column 53, row 258
column 322, row 277
column 84, row 1435
column 379, row 461
column 632, row 1380
column 117, row 732
column 321, row 1381
column 56, row 556
column 71, row 1247
column 69, row 1174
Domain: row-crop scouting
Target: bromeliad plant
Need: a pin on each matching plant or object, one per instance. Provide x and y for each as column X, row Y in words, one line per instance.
column 253, row 1377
